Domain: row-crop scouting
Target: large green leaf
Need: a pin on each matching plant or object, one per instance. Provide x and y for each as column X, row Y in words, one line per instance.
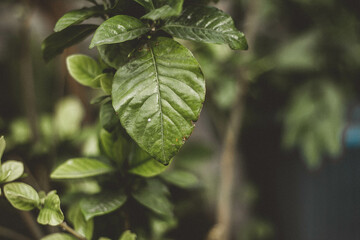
column 206, row 24
column 2, row 147
column 116, row 55
column 57, row 42
column 118, row 29
column 141, row 163
column 102, row 203
column 80, row 168
column 127, row 235
column 76, row 17
column 50, row 212
column 165, row 9
column 115, row 146
column 81, row 225
column 108, row 118
column 59, row 236
column 11, row 170
column 21, row 196
column 153, row 195
column 181, row 178
column 158, row 95
column 84, row 70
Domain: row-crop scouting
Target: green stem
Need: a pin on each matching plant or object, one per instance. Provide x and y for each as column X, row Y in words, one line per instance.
column 72, row 231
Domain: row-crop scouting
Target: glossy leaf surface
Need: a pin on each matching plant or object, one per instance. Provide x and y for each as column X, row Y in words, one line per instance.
column 115, row 146
column 158, row 95
column 50, row 212
column 116, row 55
column 11, row 170
column 118, row 29
column 84, row 70
column 76, row 217
column 142, row 164
column 153, row 195
column 80, row 168
column 102, row 203
column 21, row 196
column 164, row 9
column 76, row 17
column 108, row 118
column 57, row 42
column 206, row 24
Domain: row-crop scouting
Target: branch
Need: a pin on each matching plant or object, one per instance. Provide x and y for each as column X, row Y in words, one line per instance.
column 72, row 231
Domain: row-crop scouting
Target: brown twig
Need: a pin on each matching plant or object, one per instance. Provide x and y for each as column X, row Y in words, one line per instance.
column 222, row 229
column 72, row 231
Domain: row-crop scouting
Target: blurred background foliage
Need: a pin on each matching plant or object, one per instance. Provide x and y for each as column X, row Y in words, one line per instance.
column 297, row 172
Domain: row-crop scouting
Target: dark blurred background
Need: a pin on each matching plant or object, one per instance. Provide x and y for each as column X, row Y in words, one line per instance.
column 296, row 90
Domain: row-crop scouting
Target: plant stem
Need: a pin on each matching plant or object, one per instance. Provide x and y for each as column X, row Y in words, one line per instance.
column 72, row 231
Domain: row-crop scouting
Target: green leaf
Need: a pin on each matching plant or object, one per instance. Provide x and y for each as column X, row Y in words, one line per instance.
column 147, row 4
column 81, row 225
column 118, row 29
column 153, row 195
column 80, row 168
column 180, row 178
column 21, row 196
column 141, row 163
column 127, row 235
column 84, row 70
column 99, row 99
column 165, row 9
column 11, row 170
column 108, row 118
column 59, row 236
column 2, row 146
column 102, row 203
column 116, row 55
column 76, row 17
column 115, row 146
column 106, row 80
column 206, row 24
column 57, row 42
column 50, row 212
column 158, row 95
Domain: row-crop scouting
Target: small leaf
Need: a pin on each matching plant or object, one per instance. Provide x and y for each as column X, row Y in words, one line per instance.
column 102, row 203
column 127, row 235
column 2, row 147
column 80, row 168
column 115, row 146
column 50, row 212
column 108, row 118
column 57, row 42
column 141, row 163
column 153, row 195
column 180, row 178
column 21, row 196
column 169, row 9
column 116, row 55
column 59, row 236
column 100, row 99
column 157, row 95
column 76, row 17
column 206, row 24
column 81, row 225
column 118, row 29
column 84, row 70
column 12, row 170
column 106, row 80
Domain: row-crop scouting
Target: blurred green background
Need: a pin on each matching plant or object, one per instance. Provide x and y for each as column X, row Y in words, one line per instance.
column 297, row 174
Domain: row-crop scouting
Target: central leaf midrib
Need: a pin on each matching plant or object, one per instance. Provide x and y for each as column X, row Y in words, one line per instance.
column 159, row 99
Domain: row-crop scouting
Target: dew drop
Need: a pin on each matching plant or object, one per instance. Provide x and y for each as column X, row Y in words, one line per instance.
column 149, row 119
